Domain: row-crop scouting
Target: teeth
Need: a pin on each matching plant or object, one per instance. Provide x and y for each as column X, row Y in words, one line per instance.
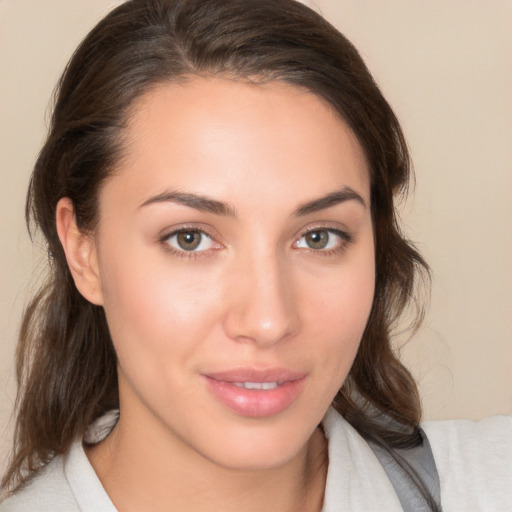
column 256, row 385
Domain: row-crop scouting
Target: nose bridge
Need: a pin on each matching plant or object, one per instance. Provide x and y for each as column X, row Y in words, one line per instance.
column 262, row 306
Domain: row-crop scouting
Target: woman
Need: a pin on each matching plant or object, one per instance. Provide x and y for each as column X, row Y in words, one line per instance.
column 241, row 330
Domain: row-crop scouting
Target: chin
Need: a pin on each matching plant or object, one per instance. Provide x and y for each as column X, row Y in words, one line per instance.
column 257, row 444
column 259, row 454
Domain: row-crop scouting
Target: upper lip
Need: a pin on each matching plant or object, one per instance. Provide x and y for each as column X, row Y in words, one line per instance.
column 256, row 375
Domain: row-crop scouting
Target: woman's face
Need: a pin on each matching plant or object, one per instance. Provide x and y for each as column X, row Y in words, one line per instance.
column 236, row 267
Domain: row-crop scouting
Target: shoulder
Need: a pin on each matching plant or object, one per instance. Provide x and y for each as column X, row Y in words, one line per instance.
column 474, row 461
column 68, row 483
column 356, row 479
column 48, row 490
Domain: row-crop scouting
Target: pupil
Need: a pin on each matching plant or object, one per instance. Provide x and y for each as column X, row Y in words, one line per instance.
column 189, row 240
column 317, row 239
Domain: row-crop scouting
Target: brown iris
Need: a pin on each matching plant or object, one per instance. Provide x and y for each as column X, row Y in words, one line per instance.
column 317, row 239
column 189, row 240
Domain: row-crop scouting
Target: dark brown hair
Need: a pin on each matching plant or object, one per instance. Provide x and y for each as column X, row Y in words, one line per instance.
column 66, row 364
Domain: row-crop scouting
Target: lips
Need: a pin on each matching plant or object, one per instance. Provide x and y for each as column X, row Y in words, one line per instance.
column 256, row 393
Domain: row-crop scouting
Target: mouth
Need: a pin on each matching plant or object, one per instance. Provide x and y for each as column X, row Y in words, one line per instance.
column 256, row 393
column 257, row 385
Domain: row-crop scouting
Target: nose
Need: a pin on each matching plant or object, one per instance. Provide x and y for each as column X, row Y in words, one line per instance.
column 262, row 304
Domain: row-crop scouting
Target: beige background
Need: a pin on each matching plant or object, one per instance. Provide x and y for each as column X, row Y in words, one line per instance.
column 446, row 68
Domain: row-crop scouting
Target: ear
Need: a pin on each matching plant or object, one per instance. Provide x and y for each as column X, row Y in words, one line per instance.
column 81, row 252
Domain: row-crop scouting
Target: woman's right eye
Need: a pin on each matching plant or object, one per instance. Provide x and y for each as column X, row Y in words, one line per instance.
column 189, row 240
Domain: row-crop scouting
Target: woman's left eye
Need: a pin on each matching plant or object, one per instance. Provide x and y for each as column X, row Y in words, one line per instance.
column 189, row 240
column 322, row 239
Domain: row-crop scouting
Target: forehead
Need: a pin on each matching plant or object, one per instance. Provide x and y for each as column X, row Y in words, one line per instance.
column 230, row 138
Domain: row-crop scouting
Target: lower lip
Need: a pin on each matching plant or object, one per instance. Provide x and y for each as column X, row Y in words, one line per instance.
column 256, row 403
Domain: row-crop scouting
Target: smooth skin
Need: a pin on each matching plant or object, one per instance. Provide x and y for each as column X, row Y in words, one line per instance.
column 235, row 233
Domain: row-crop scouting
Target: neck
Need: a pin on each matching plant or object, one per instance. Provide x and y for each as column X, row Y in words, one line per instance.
column 140, row 473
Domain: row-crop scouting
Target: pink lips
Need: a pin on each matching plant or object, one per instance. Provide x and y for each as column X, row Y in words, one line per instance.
column 256, row 393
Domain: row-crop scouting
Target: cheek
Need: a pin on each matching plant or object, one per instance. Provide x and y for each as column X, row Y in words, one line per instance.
column 339, row 313
column 153, row 308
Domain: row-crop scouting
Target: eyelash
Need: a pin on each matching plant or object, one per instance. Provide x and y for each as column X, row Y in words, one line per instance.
column 346, row 240
column 164, row 241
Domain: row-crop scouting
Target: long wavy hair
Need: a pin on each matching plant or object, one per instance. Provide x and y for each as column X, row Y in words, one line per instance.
column 66, row 364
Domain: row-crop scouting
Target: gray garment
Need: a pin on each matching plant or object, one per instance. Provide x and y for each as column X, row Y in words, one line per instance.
column 420, row 460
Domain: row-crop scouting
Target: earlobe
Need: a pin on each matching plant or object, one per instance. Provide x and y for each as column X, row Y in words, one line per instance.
column 81, row 252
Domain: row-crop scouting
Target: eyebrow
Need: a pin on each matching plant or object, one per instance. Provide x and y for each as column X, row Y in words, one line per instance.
column 332, row 199
column 209, row 205
column 196, row 201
